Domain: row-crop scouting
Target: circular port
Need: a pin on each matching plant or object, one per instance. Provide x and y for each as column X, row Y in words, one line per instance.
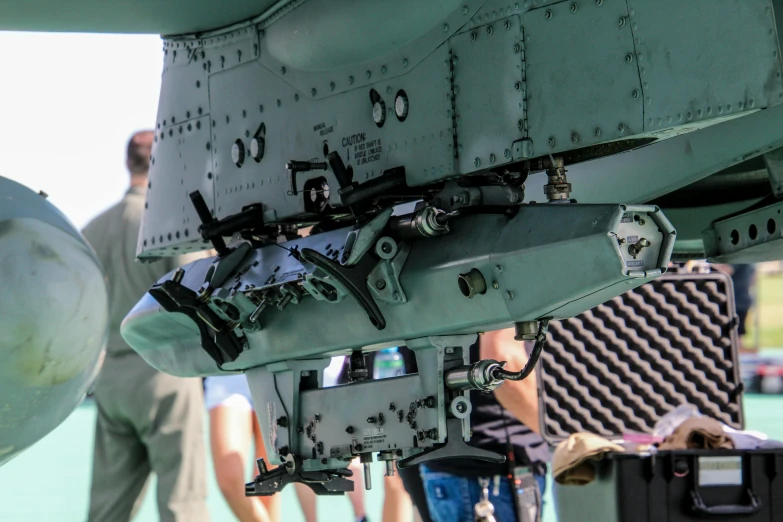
column 472, row 283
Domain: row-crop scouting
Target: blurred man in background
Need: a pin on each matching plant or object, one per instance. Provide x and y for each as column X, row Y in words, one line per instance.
column 147, row 421
column 743, row 278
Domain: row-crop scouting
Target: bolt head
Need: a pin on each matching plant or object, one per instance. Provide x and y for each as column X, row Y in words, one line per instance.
column 461, row 407
column 495, row 285
column 401, row 106
column 378, row 112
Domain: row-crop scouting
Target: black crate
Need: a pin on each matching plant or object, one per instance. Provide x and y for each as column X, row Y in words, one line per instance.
column 667, row 488
column 624, row 364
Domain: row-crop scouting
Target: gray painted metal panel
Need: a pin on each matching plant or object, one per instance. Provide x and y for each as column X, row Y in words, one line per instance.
column 581, row 88
column 488, row 93
column 646, row 173
column 320, row 104
column 676, row 53
column 127, row 16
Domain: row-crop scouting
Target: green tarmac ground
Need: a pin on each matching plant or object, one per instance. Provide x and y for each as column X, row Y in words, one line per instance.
column 50, row 482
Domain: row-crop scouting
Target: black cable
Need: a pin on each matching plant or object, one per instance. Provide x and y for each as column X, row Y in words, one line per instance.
column 500, row 373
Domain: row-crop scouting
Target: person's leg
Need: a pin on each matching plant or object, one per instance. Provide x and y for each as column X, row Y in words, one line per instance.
column 397, row 505
column 357, row 495
column 272, row 503
column 230, row 431
column 307, row 501
column 174, row 436
column 120, row 470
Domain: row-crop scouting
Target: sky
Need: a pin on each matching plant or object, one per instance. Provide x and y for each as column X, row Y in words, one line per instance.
column 68, row 104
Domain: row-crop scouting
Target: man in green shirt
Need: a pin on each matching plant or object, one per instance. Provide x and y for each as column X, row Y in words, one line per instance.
column 147, row 421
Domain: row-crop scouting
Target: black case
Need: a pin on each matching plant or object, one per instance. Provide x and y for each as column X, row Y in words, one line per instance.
column 621, row 366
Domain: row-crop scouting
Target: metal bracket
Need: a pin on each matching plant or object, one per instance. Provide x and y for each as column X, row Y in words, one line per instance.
column 774, row 162
column 217, row 339
column 361, row 239
column 454, row 448
column 327, row 482
column 384, row 280
column 352, row 279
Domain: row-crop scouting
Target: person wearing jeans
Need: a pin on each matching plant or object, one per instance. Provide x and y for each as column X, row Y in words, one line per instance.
column 504, row 421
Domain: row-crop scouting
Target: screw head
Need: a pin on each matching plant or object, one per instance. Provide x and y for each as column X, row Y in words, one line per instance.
column 380, row 284
column 473, row 36
column 331, row 86
column 495, row 285
column 445, row 28
column 574, row 7
column 551, row 142
column 506, row 153
column 548, row 14
column 635, row 93
column 368, row 74
column 489, row 30
column 621, row 128
column 282, row 70
column 628, row 58
column 476, row 162
column 383, row 69
column 597, row 132
column 599, row 3
column 518, row 86
column 350, row 79
column 491, row 159
column 574, row 137
column 312, row 92
column 510, row 295
column 507, row 25
column 517, row 48
column 621, row 21
column 520, row 125
column 404, row 62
